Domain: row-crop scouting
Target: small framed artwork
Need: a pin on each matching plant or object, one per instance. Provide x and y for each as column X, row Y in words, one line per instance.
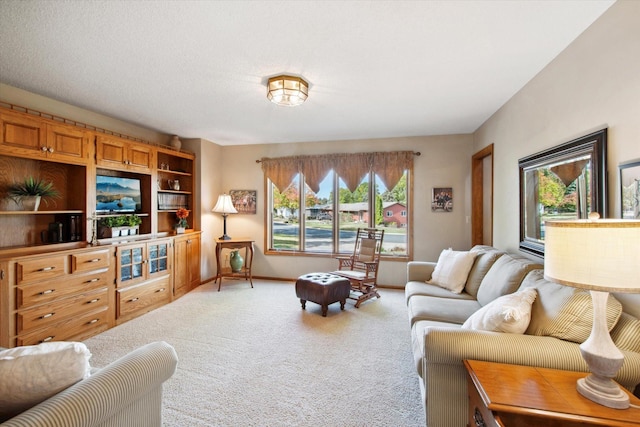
column 244, row 200
column 442, row 199
column 630, row 189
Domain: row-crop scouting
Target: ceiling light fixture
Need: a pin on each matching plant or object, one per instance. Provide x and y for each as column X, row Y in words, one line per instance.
column 288, row 91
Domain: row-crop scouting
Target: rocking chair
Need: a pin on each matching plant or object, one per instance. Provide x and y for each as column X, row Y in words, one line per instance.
column 361, row 268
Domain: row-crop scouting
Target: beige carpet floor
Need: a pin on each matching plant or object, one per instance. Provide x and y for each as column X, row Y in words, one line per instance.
column 253, row 357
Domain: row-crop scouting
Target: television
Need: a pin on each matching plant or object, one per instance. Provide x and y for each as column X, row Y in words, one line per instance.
column 117, row 195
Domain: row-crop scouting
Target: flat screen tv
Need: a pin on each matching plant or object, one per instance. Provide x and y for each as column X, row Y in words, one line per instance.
column 116, row 194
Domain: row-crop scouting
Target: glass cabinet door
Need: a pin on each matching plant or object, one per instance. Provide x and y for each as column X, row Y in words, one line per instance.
column 130, row 264
column 158, row 257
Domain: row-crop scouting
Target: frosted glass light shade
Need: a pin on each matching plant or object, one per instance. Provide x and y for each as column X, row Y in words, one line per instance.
column 288, row 91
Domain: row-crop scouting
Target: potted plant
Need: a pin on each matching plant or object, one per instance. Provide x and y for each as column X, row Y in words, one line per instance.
column 182, row 224
column 133, row 222
column 31, row 191
column 114, row 226
column 122, row 224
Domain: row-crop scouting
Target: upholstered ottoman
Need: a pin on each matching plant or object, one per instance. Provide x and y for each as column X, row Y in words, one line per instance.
column 323, row 289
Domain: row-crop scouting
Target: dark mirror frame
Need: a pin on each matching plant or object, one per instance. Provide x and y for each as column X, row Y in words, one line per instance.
column 594, row 145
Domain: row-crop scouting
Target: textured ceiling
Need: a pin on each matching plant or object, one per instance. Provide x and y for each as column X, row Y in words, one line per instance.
column 198, row 69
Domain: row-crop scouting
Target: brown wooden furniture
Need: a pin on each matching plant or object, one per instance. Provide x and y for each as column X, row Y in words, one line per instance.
column 71, row 290
column 186, row 266
column 361, row 268
column 323, row 289
column 525, row 396
column 236, row 243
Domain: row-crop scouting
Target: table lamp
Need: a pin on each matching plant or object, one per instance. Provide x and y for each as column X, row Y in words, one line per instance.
column 602, row 256
column 225, row 207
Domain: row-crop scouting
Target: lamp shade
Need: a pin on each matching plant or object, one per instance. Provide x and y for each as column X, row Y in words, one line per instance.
column 599, row 255
column 288, row 91
column 224, row 205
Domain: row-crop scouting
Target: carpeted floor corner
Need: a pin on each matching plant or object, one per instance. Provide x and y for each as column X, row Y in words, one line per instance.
column 253, row 357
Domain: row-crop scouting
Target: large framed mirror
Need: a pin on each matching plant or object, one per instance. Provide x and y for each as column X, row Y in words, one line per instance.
column 565, row 182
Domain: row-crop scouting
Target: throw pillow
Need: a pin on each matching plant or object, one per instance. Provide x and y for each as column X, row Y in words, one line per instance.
column 504, row 277
column 626, row 333
column 32, row 374
column 485, row 259
column 567, row 313
column 509, row 313
column 452, row 270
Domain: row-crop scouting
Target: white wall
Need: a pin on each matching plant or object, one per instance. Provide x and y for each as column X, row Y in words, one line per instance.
column 594, row 83
column 445, row 161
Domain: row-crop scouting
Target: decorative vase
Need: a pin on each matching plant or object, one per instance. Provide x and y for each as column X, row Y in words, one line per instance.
column 236, row 261
column 175, row 142
column 180, row 230
column 30, row 203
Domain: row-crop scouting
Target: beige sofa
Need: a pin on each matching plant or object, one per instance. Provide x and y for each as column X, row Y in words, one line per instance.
column 127, row 392
column 440, row 344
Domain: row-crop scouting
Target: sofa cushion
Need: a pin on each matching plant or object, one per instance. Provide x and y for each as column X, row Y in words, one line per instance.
column 504, row 277
column 422, row 288
column 452, row 269
column 564, row 312
column 32, row 374
column 626, row 333
column 417, row 339
column 487, row 256
column 510, row 313
column 450, row 310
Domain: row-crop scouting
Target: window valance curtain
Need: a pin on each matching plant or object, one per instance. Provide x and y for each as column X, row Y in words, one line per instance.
column 351, row 167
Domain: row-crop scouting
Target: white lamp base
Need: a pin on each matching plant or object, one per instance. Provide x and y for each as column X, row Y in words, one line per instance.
column 604, row 360
column 604, row 391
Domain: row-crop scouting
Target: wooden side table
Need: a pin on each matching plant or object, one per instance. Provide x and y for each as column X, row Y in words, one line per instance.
column 238, row 243
column 524, row 396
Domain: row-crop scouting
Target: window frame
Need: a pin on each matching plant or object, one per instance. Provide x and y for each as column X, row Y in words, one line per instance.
column 268, row 233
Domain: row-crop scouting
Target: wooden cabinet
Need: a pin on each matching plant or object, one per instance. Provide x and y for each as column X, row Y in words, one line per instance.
column 122, row 154
column 34, row 137
column 70, row 290
column 57, row 296
column 22, row 135
column 143, row 277
column 186, row 271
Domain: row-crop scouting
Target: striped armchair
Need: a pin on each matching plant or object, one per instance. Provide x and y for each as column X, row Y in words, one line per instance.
column 127, row 392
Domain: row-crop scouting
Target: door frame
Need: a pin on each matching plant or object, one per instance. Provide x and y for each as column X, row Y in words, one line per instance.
column 477, row 196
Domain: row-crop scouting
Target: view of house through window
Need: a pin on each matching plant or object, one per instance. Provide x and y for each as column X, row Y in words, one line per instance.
column 326, row 221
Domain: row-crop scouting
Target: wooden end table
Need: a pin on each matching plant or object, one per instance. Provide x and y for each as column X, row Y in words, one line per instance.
column 525, row 396
column 236, row 243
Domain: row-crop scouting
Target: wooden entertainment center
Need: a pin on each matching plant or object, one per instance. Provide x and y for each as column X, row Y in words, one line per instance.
column 68, row 288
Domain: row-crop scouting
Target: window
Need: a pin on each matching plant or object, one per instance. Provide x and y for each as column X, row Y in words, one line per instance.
column 319, row 213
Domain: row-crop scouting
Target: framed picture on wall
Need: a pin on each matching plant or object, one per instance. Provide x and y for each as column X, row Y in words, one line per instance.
column 244, row 200
column 630, row 190
column 442, row 199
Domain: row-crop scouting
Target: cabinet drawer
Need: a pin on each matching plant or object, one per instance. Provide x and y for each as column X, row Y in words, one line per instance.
column 144, row 296
column 72, row 329
column 38, row 293
column 46, row 314
column 89, row 261
column 41, row 268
